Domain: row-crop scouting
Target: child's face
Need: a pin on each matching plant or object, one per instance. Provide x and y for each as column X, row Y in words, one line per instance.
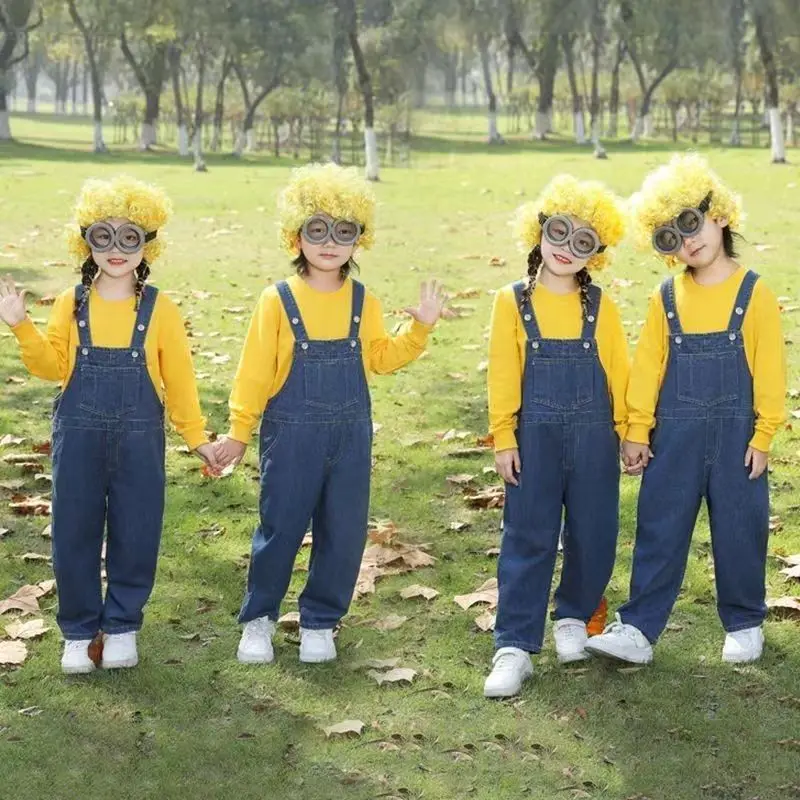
column 704, row 247
column 559, row 259
column 326, row 256
column 114, row 262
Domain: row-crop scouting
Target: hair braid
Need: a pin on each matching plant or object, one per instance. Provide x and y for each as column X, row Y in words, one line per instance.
column 88, row 272
column 142, row 272
column 584, row 282
column 534, row 264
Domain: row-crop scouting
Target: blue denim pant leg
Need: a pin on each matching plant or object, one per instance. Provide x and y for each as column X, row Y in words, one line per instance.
column 339, row 527
column 137, row 482
column 669, row 501
column 738, row 511
column 592, row 526
column 531, row 524
column 78, row 525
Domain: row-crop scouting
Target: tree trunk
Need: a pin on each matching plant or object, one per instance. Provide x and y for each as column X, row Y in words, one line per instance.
column 219, row 104
column 197, row 143
column 546, row 75
column 5, row 124
column 771, row 76
column 365, row 84
column 613, row 98
column 643, row 120
column 74, row 88
column 94, row 75
column 151, row 81
column 450, row 79
column 579, row 126
column 339, row 56
column 180, row 112
column 483, row 49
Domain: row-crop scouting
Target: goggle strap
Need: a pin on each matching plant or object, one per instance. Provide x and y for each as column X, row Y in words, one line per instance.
column 706, row 204
column 542, row 218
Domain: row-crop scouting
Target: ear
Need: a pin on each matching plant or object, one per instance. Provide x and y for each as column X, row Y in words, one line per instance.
column 723, row 223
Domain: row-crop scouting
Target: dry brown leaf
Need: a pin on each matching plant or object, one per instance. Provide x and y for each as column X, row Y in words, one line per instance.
column 13, row 653
column 46, row 587
column 3, row 532
column 30, row 506
column 34, row 557
column 377, row 663
column 25, row 599
column 462, row 479
column 43, row 448
column 417, row 590
column 496, row 261
column 491, row 497
column 15, row 379
column 9, row 440
column 32, row 629
column 22, row 458
column 399, row 675
column 350, row 727
column 485, row 593
column 416, row 558
column 790, row 561
column 459, row 526
column 390, row 623
column 493, row 551
column 290, row 621
column 486, row 621
column 792, row 572
column 786, row 607
column 382, row 531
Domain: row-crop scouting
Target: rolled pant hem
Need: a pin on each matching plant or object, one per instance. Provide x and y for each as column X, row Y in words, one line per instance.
column 122, row 629
column 526, row 646
column 318, row 626
column 743, row 626
column 78, row 637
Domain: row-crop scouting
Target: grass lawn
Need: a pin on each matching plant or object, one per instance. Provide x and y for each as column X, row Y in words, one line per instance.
column 190, row 722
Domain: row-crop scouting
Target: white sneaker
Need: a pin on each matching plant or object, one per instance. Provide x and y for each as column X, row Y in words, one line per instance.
column 622, row 642
column 255, row 646
column 119, row 650
column 75, row 660
column 743, row 646
column 570, row 637
column 316, row 646
column 511, row 667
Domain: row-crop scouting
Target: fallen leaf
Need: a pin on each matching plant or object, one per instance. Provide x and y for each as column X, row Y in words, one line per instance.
column 382, row 531
column 486, row 621
column 390, row 623
column 9, row 440
column 461, row 480
column 13, row 653
column 496, row 261
column 32, row 629
column 30, row 506
column 792, row 572
column 493, row 551
column 458, row 526
column 22, row 458
column 47, row 533
column 377, row 663
column 3, row 532
column 417, row 590
column 15, row 379
column 785, row 607
column 46, row 587
column 290, row 621
column 350, row 727
column 491, row 497
column 399, row 675
column 34, row 557
column 24, row 599
column 485, row 593
column 43, row 448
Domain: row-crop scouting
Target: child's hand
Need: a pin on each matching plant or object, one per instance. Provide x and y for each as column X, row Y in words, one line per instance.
column 635, row 457
column 12, row 303
column 431, row 302
column 756, row 460
column 508, row 465
column 228, row 451
column 207, row 453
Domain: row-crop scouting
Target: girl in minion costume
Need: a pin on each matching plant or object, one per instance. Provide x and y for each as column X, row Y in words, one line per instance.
column 706, row 397
column 313, row 341
column 558, row 372
column 117, row 346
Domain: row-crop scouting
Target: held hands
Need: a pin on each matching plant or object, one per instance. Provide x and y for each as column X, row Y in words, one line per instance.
column 207, row 453
column 431, row 302
column 12, row 303
column 508, row 465
column 635, row 457
column 228, row 452
column 756, row 461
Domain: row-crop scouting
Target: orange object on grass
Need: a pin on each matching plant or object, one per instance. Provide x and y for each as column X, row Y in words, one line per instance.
column 597, row 623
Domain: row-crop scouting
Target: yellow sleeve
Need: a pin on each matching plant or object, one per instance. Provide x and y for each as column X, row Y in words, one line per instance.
column 647, row 373
column 258, row 365
column 47, row 355
column 769, row 367
column 177, row 375
column 613, row 348
column 505, row 371
column 386, row 354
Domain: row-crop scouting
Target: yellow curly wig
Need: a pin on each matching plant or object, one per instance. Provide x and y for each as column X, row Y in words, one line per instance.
column 681, row 183
column 589, row 200
column 337, row 191
column 122, row 196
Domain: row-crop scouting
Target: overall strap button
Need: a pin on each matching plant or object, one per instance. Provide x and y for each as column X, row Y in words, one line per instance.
column 304, row 345
column 739, row 310
column 670, row 315
column 85, row 351
column 732, row 337
column 587, row 345
column 82, row 323
column 678, row 339
column 135, row 354
column 356, row 318
column 295, row 321
column 590, row 317
column 140, row 327
column 535, row 345
column 527, row 318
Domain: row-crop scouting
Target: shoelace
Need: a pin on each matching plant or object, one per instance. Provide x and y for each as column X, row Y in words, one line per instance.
column 506, row 662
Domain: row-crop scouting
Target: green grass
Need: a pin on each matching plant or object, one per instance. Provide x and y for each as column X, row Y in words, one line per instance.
column 688, row 728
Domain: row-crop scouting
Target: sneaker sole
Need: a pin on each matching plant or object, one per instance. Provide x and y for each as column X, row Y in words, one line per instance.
column 78, row 670
column 573, row 657
column 616, row 656
column 245, row 658
column 126, row 663
column 316, row 659
column 736, row 660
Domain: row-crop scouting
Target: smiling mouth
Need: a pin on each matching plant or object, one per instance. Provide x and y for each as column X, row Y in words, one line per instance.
column 562, row 259
column 117, row 262
column 694, row 252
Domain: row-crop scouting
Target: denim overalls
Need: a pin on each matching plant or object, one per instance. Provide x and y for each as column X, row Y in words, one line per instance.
column 108, row 467
column 704, row 422
column 316, row 444
column 569, row 453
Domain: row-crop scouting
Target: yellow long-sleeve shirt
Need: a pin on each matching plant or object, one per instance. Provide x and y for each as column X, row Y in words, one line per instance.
column 559, row 317
column 267, row 353
column 169, row 361
column 705, row 309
